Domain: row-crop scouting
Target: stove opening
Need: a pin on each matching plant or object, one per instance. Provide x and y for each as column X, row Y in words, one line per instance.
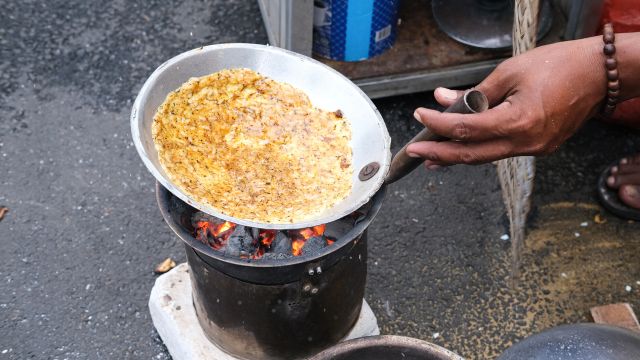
column 238, row 241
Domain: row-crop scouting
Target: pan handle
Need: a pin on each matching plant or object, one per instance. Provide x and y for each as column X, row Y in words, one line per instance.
column 473, row 101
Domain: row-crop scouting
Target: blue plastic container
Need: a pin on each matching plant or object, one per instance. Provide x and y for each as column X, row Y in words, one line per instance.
column 352, row 30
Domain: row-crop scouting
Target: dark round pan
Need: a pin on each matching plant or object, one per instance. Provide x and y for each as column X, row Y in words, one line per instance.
column 386, row 347
column 577, row 342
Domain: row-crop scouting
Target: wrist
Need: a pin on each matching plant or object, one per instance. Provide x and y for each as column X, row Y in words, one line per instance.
column 595, row 76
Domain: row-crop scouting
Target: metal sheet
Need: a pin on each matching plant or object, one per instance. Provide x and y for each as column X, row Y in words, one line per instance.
column 327, row 89
column 484, row 24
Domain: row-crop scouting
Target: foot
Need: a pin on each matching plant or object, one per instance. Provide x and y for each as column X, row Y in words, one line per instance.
column 625, row 177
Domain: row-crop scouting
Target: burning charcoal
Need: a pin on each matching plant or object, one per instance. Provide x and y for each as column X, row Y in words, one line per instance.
column 337, row 229
column 254, row 233
column 211, row 230
column 262, row 243
column 200, row 216
column 282, row 244
column 266, row 237
column 235, row 244
column 313, row 245
column 240, row 243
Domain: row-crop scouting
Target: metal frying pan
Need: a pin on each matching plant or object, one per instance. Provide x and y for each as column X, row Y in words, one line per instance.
column 326, row 88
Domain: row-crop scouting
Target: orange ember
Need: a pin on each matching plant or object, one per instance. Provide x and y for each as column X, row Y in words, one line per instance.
column 296, row 247
column 203, row 225
column 305, row 233
column 220, row 232
column 258, row 254
column 299, row 237
column 330, row 241
column 267, row 237
column 220, row 229
column 319, row 229
column 310, row 232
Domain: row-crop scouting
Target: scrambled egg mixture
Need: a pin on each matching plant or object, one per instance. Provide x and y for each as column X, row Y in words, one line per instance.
column 253, row 148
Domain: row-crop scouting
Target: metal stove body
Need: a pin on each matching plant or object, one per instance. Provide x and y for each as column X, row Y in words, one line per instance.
column 275, row 309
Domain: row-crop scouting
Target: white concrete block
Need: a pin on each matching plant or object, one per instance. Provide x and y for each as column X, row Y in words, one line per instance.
column 175, row 319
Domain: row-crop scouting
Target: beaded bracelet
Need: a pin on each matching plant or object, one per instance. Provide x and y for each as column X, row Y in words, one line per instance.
column 613, row 83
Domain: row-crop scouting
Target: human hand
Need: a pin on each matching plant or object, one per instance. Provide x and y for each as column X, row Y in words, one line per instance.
column 538, row 100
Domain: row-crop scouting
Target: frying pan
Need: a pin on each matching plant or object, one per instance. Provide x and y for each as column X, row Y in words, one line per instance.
column 326, row 88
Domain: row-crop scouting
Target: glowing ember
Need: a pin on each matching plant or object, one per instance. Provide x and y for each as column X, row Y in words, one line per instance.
column 219, row 232
column 319, row 229
column 258, row 254
column 309, row 232
column 330, row 241
column 301, row 236
column 304, row 233
column 296, row 247
column 202, row 229
column 266, row 237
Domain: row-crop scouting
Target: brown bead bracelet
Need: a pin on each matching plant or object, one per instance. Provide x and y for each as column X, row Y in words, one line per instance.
column 613, row 83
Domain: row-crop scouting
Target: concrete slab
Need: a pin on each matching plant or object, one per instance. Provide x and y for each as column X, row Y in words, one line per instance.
column 175, row 319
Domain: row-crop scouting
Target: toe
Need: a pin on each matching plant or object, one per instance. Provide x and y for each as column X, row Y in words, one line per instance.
column 628, row 168
column 635, row 159
column 624, row 179
column 630, row 195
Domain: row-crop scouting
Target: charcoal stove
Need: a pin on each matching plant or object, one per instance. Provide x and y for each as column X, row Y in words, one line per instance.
column 275, row 307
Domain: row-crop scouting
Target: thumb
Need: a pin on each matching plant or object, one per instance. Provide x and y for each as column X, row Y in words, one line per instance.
column 497, row 85
column 446, row 97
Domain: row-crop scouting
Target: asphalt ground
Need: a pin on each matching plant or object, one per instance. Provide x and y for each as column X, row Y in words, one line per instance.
column 83, row 232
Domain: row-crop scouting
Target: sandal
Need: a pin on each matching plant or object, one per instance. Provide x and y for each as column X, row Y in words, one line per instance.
column 609, row 198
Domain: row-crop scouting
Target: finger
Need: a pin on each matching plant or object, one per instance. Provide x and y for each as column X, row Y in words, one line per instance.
column 635, row 159
column 496, row 87
column 452, row 152
column 446, row 97
column 487, row 125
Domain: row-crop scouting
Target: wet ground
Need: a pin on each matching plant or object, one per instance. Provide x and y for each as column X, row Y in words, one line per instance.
column 83, row 232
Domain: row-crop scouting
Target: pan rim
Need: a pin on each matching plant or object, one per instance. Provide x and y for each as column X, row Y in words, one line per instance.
column 136, row 119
